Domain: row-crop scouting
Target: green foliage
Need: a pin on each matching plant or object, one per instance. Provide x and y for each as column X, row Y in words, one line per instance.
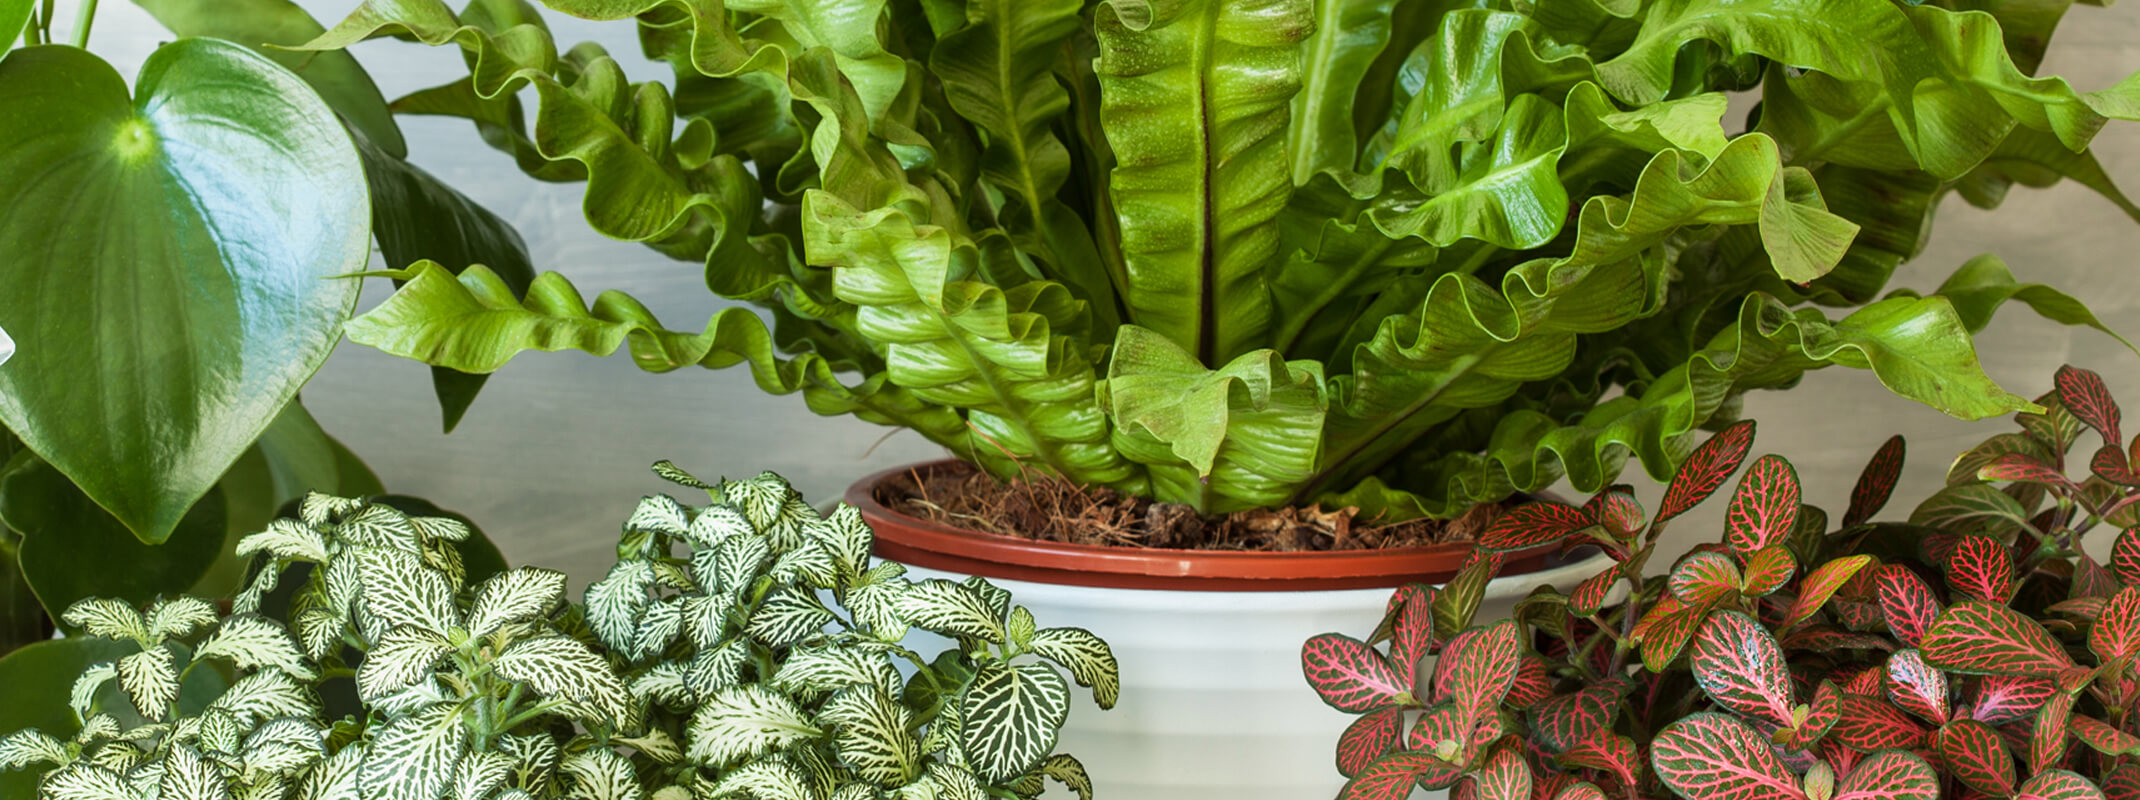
column 707, row 663
column 1388, row 255
column 1739, row 675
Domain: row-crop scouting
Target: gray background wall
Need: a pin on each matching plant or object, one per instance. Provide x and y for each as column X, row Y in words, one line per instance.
column 554, row 454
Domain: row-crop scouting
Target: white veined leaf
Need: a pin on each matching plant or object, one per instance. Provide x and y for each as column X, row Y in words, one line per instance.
column 876, row 607
column 337, row 778
column 146, row 777
column 379, row 525
column 479, row 774
column 615, row 602
column 103, row 616
column 1088, row 658
column 954, row 782
column 717, row 668
column 659, row 626
column 401, row 658
column 846, row 537
column 1065, row 768
column 145, row 734
column 658, row 514
column 523, row 593
column 187, row 777
column 818, row 767
column 266, row 695
column 264, row 581
column 942, row 740
column 737, row 562
column 400, row 590
column 1009, row 717
column 440, row 529
column 87, row 685
column 444, row 557
column 535, row 757
column 150, row 679
column 218, row 732
column 671, row 575
column 1020, row 626
column 413, row 756
column 883, row 572
column 97, row 728
column 999, row 598
column 1028, row 786
column 869, row 731
column 810, row 563
column 253, row 642
column 269, row 787
column 31, row 746
column 668, row 471
column 761, row 499
column 951, row 609
column 833, row 668
column 789, row 614
column 656, row 744
column 319, row 631
column 744, row 722
column 179, row 617
column 706, row 618
column 319, row 509
column 601, row 774
column 765, row 779
column 84, row 781
column 663, row 683
column 560, row 666
column 715, row 524
column 119, row 757
column 856, row 791
column 340, row 583
column 284, row 746
column 286, row 538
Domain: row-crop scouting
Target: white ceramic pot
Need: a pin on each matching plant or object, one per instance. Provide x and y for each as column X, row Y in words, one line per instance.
column 1213, row 703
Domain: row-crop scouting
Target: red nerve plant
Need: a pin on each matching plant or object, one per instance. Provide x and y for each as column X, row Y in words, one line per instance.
column 1971, row 651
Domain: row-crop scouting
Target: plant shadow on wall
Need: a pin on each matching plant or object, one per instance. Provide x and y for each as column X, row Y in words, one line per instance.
column 706, row 664
column 1396, row 257
column 167, row 262
column 1972, row 651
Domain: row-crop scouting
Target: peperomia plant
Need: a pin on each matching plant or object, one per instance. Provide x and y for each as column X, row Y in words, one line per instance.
column 707, row 664
column 1974, row 651
column 1404, row 257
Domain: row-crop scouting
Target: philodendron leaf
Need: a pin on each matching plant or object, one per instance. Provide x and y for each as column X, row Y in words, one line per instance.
column 1710, row 756
column 1740, row 667
column 69, row 543
column 1989, row 639
column 1009, row 716
column 154, row 354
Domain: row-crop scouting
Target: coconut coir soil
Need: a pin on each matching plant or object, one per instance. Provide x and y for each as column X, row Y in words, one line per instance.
column 1054, row 510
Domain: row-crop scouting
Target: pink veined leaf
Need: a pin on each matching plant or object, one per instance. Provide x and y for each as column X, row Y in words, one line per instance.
column 1764, row 507
column 1740, row 667
column 2024, row 468
column 2111, row 464
column 1705, row 578
column 2074, row 679
column 1916, row 687
column 1368, row 738
column 2087, row 608
column 1665, row 629
column 1876, row 483
column 1550, row 785
column 1866, row 683
column 1707, row 468
column 1889, row 775
column 1564, row 721
column 2005, row 699
column 1617, row 511
column 2124, row 782
column 1843, row 759
column 1871, row 725
column 2083, row 394
column 1989, row 639
column 1608, row 752
column 1828, row 639
column 1975, row 755
column 1348, row 674
column 1391, row 777
column 1534, row 683
column 1505, row 777
column 2093, row 580
column 1477, row 668
column 1590, row 595
column 2125, row 556
column 2103, row 738
column 1907, row 603
column 1980, row 568
column 1412, row 634
column 2058, row 784
column 1580, row 791
column 1714, row 757
column 1938, row 545
column 1442, row 729
column 2047, row 738
column 1768, row 570
column 2116, row 634
column 1822, row 713
column 1821, row 584
column 1531, row 525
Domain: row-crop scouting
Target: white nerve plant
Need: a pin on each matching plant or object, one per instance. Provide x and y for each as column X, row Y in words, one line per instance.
column 707, row 664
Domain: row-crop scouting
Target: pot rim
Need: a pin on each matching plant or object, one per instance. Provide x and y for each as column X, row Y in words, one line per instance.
column 927, row 543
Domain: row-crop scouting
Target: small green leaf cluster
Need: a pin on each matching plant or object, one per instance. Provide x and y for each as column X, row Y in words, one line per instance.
column 1973, row 650
column 747, row 648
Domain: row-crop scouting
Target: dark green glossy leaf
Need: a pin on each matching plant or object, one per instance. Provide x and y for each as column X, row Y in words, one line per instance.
column 152, row 355
column 14, row 17
column 69, row 544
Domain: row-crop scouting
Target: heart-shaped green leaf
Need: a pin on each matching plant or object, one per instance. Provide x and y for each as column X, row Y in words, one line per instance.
column 69, row 544
column 168, row 263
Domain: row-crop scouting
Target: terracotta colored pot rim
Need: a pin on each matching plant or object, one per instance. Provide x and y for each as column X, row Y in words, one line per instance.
column 926, row 543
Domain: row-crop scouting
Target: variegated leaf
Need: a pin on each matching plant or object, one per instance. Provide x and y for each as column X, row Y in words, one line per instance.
column 658, row 514
column 1618, row 512
column 657, row 628
column 655, row 744
column 1820, row 585
column 1372, row 736
column 379, row 525
column 2024, row 468
column 1088, row 658
column 844, row 535
column 1763, row 507
column 2123, row 782
column 1457, row 602
column 84, row 781
column 2115, row 636
column 1009, row 716
column 954, row 782
column 1504, row 777
column 479, row 774
column 1564, row 721
column 1907, row 603
column 1477, row 668
column 284, row 746
column 740, row 723
column 876, row 608
column 1877, row 483
column 791, row 614
column 715, row 524
column 1767, row 570
column 1664, row 630
column 1916, row 687
column 412, row 757
column 1979, row 568
column 1707, row 468
column 400, row 590
column 286, row 538
column 1606, row 752
column 31, row 746
column 810, row 563
column 253, row 642
column 187, row 777
column 735, row 563
column 2084, row 395
column 179, row 617
column 718, row 668
column 266, row 695
column 98, row 728
column 2006, row 699
column 536, row 757
column 601, row 774
column 1869, row 725
column 1890, row 775
column 951, row 609
column 663, row 683
column 1706, row 577
column 319, row 509
column 1740, row 667
column 1533, row 524
column 1711, row 756
column 88, row 684
column 514, row 595
column 1066, row 770
column 1989, row 639
column 2102, row 737
column 1534, row 683
column 615, row 602
column 560, row 666
column 1392, row 777
column 1975, row 755
column 103, row 616
column 439, row 529
column 835, row 667
column 1590, row 595
column 872, row 735
column 401, row 658
column 150, row 679
column 2125, row 556
column 2058, row 784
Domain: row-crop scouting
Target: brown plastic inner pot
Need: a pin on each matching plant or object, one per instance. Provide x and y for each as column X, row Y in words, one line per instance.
column 926, row 543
